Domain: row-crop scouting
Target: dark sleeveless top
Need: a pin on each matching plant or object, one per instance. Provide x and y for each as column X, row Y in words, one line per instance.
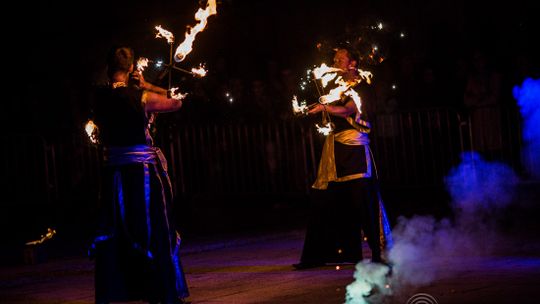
column 120, row 116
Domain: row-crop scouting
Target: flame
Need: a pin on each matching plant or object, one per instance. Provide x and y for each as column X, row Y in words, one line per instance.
column 325, row 130
column 346, row 87
column 201, row 15
column 49, row 235
column 142, row 63
column 163, row 33
column 299, row 107
column 325, row 73
column 92, row 131
column 199, row 71
column 366, row 75
column 356, row 98
column 177, row 96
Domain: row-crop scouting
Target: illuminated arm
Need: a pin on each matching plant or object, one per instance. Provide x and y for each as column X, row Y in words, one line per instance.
column 154, row 98
column 157, row 102
column 337, row 110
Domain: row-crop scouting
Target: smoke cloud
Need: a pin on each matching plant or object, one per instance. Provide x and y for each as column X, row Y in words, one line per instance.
column 528, row 99
column 424, row 246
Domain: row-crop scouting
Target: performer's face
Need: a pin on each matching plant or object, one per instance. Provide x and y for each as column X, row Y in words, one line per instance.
column 342, row 60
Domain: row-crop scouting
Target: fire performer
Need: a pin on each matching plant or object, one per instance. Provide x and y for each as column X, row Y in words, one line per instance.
column 137, row 246
column 345, row 196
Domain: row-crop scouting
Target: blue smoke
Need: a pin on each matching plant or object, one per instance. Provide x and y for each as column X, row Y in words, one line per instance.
column 479, row 186
column 528, row 98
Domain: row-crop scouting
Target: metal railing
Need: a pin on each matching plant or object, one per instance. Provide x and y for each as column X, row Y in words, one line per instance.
column 412, row 148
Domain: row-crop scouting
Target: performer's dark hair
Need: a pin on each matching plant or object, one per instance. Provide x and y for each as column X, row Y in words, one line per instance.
column 120, row 58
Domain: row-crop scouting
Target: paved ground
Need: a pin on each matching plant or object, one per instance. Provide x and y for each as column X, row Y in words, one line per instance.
column 247, row 265
column 257, row 269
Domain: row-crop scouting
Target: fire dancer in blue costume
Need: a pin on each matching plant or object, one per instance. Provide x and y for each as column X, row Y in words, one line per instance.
column 136, row 249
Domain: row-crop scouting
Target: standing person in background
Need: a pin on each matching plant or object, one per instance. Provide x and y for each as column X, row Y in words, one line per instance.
column 136, row 249
column 345, row 198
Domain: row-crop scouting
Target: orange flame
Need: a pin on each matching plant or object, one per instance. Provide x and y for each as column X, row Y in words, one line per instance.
column 177, row 96
column 142, row 63
column 199, row 71
column 299, row 107
column 92, row 131
column 325, row 130
column 201, row 15
column 345, row 87
column 325, row 73
column 163, row 33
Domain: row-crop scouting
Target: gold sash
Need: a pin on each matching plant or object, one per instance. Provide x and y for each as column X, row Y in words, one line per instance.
column 327, row 165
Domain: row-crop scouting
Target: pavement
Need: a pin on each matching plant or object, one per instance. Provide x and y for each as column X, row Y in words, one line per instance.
column 250, row 265
column 257, row 269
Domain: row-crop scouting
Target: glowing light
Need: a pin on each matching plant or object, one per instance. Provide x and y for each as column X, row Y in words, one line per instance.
column 325, row 73
column 199, row 71
column 142, row 63
column 356, row 98
column 201, row 15
column 339, row 251
column 177, row 96
column 402, row 35
column 92, row 131
column 380, row 25
column 324, row 130
column 337, row 267
column 49, row 235
column 163, row 33
column 299, row 108
column 394, row 87
column 159, row 63
column 365, row 75
column 229, row 97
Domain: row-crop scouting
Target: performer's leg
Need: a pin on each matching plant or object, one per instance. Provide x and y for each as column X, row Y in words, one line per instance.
column 370, row 216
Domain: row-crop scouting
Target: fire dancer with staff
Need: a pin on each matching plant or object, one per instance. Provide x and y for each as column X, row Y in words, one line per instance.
column 345, row 196
column 137, row 246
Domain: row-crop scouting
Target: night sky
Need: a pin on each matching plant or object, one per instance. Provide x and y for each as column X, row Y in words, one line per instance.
column 73, row 39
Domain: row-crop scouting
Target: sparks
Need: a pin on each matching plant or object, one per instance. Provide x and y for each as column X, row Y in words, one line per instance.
column 201, row 15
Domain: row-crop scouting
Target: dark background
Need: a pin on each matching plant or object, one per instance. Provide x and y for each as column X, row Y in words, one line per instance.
column 56, row 58
column 62, row 55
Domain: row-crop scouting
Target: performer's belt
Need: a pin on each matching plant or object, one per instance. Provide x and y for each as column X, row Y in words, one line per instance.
column 118, row 156
column 327, row 165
